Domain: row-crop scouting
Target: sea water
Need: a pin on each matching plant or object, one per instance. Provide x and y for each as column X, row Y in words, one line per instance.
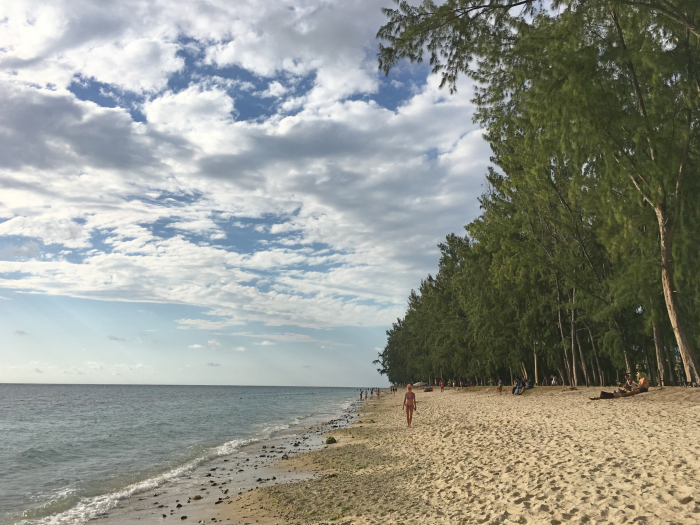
column 70, row 451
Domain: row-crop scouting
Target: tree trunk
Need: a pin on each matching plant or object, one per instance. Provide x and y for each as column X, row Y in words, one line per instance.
column 659, row 354
column 583, row 360
column 669, row 286
column 537, row 379
column 594, row 373
column 628, row 365
column 573, row 340
column 595, row 354
column 524, row 370
column 567, row 366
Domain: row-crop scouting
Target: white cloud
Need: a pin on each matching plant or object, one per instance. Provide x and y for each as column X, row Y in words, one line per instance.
column 240, row 349
column 274, row 89
column 195, row 346
column 214, row 344
column 264, row 343
column 345, row 202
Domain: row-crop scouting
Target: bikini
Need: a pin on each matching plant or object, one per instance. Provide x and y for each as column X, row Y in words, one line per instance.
column 411, row 398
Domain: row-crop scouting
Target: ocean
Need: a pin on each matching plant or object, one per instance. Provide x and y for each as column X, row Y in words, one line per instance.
column 70, row 452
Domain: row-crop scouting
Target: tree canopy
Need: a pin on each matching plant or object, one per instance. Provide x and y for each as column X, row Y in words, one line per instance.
column 584, row 260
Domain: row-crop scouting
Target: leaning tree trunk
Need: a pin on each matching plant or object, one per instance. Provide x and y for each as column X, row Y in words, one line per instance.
column 669, row 286
column 595, row 353
column 659, row 356
column 567, row 366
column 583, row 360
column 628, row 365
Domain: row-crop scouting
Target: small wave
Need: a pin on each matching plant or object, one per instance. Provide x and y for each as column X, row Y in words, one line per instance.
column 35, row 457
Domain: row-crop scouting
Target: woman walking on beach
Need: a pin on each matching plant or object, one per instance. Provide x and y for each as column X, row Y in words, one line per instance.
column 409, row 404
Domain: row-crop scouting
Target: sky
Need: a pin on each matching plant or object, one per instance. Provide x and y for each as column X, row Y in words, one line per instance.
column 217, row 192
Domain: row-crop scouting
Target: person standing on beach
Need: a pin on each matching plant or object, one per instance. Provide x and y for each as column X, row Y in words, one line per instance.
column 409, row 403
column 500, row 387
column 442, row 386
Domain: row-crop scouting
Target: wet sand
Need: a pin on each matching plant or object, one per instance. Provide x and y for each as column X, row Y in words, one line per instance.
column 474, row 456
column 200, row 496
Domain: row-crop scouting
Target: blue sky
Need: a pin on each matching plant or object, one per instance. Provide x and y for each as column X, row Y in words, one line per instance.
column 217, row 192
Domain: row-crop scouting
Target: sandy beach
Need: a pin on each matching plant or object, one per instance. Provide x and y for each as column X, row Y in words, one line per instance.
column 473, row 456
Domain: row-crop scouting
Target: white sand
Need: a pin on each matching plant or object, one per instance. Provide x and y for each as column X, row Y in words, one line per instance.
column 473, row 456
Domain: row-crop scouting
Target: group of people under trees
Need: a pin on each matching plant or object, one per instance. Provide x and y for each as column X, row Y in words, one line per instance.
column 628, row 388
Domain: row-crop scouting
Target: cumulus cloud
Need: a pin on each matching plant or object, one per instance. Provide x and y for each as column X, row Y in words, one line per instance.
column 114, row 338
column 240, row 349
column 214, row 344
column 195, row 346
column 308, row 203
column 265, row 343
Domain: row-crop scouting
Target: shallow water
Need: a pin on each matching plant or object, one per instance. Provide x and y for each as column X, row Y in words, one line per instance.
column 67, row 448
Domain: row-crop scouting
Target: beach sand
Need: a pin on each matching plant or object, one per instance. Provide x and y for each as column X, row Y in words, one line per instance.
column 473, row 456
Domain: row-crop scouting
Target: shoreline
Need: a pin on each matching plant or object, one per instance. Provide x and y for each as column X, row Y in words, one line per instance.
column 210, row 480
column 219, row 481
column 474, row 456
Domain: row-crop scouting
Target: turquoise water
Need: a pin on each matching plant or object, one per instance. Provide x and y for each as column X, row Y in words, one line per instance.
column 68, row 448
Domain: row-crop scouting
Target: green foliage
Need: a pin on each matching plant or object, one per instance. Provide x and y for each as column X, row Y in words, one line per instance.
column 587, row 241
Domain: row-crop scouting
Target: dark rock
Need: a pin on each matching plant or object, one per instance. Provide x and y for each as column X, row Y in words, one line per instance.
column 330, row 440
column 195, row 498
column 183, row 517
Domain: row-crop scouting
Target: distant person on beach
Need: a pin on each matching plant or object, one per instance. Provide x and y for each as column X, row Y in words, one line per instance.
column 630, row 388
column 642, row 382
column 442, row 386
column 409, row 403
column 500, row 387
column 518, row 387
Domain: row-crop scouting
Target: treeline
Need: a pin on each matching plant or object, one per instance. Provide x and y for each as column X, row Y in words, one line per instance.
column 585, row 260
